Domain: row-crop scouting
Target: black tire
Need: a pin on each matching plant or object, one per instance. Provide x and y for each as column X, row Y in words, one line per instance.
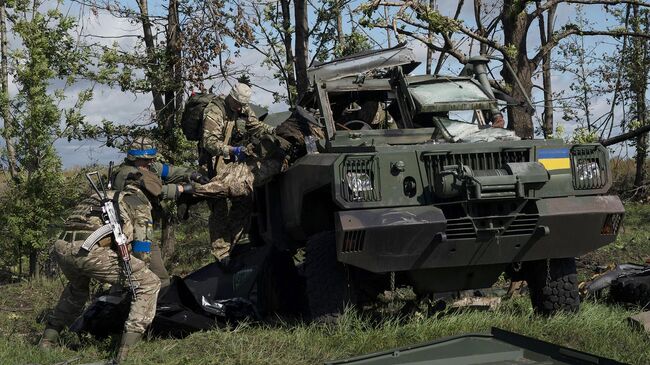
column 327, row 284
column 633, row 289
column 553, row 285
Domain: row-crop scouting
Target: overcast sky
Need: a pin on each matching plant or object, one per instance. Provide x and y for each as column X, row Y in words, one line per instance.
column 116, row 105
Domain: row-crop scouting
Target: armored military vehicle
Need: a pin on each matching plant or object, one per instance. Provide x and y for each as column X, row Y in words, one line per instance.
column 411, row 186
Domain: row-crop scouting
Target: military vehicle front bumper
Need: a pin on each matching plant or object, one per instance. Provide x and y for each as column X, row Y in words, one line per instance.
column 413, row 238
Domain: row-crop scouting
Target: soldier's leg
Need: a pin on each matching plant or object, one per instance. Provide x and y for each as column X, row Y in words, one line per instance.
column 157, row 265
column 219, row 228
column 72, row 299
column 239, row 217
column 103, row 264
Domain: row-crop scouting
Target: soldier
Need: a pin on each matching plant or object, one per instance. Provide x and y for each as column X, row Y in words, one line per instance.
column 176, row 180
column 102, row 262
column 231, row 134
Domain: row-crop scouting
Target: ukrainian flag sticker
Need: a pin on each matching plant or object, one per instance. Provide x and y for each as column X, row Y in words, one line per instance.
column 554, row 158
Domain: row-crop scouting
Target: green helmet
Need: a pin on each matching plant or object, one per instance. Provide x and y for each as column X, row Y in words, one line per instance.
column 141, row 147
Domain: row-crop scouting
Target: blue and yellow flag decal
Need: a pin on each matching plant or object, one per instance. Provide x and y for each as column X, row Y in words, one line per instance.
column 554, row 158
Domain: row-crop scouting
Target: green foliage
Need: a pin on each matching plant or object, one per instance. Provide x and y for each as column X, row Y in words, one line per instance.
column 583, row 135
column 355, row 42
column 34, row 199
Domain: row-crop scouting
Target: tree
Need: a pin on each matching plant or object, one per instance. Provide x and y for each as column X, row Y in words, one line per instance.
column 637, row 75
column 32, row 118
column 503, row 28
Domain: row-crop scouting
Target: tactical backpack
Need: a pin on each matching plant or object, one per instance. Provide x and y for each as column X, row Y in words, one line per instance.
column 192, row 119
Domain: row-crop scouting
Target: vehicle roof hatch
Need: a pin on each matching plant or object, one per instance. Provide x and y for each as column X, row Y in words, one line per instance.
column 362, row 62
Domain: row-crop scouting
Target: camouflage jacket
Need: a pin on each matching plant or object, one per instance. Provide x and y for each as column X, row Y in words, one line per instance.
column 134, row 211
column 216, row 120
column 170, row 175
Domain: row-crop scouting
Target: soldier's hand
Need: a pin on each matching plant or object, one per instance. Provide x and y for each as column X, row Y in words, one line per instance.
column 283, row 144
column 185, row 189
column 199, row 178
column 239, row 152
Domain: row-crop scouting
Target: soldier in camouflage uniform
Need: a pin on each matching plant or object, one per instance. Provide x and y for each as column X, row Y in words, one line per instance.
column 102, row 262
column 176, row 180
column 231, row 134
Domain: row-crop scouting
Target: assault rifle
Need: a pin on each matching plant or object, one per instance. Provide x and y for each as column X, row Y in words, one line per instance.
column 112, row 225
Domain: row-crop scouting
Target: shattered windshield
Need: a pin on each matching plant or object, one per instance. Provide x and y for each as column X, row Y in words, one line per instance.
column 448, row 95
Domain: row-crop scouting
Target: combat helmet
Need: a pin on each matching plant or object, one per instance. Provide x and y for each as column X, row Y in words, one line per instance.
column 141, row 147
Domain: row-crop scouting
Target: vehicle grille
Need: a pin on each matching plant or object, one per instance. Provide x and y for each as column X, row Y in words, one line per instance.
column 358, row 166
column 434, row 163
column 523, row 224
column 588, row 169
column 353, row 241
column 460, row 228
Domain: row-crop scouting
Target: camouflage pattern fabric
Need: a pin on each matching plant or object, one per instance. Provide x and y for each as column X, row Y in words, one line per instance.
column 233, row 184
column 217, row 117
column 171, row 176
column 103, row 264
column 230, row 216
column 239, row 179
column 229, row 221
column 233, row 180
column 135, row 211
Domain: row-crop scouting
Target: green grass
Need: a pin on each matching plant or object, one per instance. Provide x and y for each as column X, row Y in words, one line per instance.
column 597, row 328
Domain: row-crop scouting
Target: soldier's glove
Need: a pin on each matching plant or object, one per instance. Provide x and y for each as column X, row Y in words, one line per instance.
column 239, row 152
column 199, row 178
column 188, row 189
column 284, row 144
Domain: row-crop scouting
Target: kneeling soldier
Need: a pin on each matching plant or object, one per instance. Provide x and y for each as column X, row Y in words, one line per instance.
column 102, row 263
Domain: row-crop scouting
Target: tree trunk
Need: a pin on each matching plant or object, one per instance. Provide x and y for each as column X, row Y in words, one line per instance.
column 339, row 24
column 302, row 47
column 640, row 71
column 150, row 47
column 173, row 96
column 546, row 34
column 168, row 238
column 287, row 39
column 515, row 28
column 8, row 131
column 432, row 5
column 34, row 271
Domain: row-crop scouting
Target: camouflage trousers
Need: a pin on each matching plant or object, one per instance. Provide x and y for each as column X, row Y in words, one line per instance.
column 230, row 216
column 155, row 263
column 103, row 265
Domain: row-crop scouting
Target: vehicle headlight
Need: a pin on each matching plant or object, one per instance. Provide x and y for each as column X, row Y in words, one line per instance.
column 589, row 167
column 588, row 171
column 358, row 182
column 359, row 176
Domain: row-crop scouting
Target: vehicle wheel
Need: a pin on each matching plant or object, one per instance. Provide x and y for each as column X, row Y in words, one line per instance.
column 633, row 289
column 328, row 289
column 553, row 285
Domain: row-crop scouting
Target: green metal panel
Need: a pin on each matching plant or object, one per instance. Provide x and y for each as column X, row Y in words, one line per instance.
column 498, row 347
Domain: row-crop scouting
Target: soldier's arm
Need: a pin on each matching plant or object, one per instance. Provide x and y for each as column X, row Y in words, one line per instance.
column 254, row 126
column 172, row 174
column 214, row 132
column 137, row 223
